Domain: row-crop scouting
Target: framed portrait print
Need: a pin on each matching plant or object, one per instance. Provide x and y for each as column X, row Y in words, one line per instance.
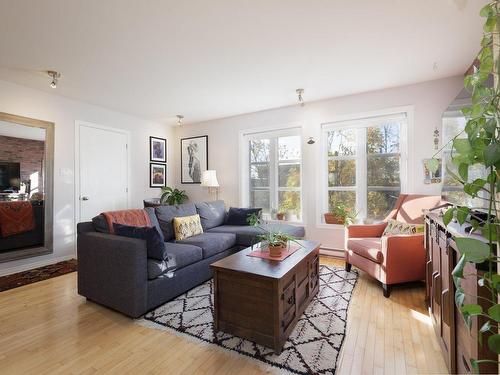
column 157, row 175
column 194, row 159
column 158, row 149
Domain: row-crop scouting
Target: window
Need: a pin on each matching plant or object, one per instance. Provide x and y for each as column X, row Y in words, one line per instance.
column 272, row 163
column 364, row 165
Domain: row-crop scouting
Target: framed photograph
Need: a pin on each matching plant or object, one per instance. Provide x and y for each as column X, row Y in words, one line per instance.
column 157, row 175
column 194, row 159
column 432, row 175
column 158, row 149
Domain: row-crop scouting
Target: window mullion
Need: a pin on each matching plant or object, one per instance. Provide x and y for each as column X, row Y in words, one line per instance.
column 361, row 173
column 273, row 173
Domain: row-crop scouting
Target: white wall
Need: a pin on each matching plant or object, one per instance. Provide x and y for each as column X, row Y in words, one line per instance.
column 64, row 112
column 428, row 99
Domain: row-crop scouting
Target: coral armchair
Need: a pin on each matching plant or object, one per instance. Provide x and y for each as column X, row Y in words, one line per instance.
column 391, row 259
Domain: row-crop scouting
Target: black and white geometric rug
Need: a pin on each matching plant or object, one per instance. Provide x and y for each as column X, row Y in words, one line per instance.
column 312, row 348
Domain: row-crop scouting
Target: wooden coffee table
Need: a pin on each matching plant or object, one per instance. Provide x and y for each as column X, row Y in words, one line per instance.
column 261, row 300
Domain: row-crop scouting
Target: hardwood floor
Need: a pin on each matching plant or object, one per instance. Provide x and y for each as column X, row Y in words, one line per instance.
column 47, row 328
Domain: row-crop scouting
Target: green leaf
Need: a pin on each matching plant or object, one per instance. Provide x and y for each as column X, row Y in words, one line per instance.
column 494, row 312
column 448, row 216
column 485, row 327
column 475, row 251
column 459, row 297
column 494, row 343
column 462, row 213
column 490, row 23
column 491, row 154
column 489, row 230
column 462, row 145
column 486, row 11
column 458, row 271
column 432, row 165
column 475, row 366
column 463, row 171
column 471, row 309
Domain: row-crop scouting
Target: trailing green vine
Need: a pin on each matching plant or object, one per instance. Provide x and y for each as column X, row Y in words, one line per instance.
column 480, row 147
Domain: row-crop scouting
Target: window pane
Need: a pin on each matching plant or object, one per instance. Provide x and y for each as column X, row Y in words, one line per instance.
column 289, row 203
column 289, row 175
column 383, row 170
column 341, row 173
column 259, row 175
column 289, row 148
column 383, row 139
column 341, row 142
column 259, row 150
column 346, row 198
column 260, row 199
column 380, row 203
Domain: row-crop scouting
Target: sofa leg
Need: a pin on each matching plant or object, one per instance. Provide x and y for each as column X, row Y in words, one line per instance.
column 386, row 289
column 348, row 267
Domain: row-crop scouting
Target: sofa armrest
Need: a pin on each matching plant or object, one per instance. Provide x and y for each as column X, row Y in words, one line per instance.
column 404, row 257
column 112, row 270
column 370, row 230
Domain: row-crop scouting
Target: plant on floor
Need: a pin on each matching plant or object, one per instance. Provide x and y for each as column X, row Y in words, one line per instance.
column 172, row 196
column 479, row 145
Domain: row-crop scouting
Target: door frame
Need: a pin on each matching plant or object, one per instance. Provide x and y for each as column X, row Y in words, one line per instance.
column 78, row 125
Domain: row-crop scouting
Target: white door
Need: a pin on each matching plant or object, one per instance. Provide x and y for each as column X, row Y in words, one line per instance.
column 103, row 171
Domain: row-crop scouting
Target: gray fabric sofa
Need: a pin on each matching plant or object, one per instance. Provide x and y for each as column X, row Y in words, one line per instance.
column 116, row 272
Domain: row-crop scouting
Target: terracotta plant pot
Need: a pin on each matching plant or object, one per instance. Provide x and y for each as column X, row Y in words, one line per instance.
column 332, row 219
column 276, row 251
column 280, row 216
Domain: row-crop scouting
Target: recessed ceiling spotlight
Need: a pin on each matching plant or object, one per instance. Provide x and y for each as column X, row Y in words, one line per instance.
column 179, row 119
column 300, row 97
column 55, row 76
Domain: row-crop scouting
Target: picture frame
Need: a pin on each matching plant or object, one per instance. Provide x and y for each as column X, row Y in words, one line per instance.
column 157, row 149
column 194, row 159
column 431, row 176
column 157, row 175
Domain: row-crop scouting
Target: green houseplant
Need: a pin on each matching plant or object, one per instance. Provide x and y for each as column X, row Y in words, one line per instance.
column 340, row 214
column 478, row 145
column 172, row 196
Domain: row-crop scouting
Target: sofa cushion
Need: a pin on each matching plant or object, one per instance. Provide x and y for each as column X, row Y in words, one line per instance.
column 154, row 220
column 154, row 240
column 187, row 226
column 248, row 235
column 239, row 216
column 212, row 214
column 182, row 255
column 166, row 214
column 369, row 248
column 211, row 243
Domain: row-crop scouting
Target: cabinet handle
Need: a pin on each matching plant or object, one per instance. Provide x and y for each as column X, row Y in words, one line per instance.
column 466, row 365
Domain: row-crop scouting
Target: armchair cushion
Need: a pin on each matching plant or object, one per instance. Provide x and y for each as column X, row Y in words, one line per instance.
column 369, row 248
column 360, row 231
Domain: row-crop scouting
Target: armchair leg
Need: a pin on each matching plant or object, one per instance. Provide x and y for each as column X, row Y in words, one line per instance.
column 386, row 289
column 348, row 267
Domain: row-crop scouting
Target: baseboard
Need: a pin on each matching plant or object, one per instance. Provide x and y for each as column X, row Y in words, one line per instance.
column 30, row 266
column 335, row 253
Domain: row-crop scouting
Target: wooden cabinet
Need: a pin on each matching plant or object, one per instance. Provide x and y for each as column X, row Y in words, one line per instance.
column 457, row 343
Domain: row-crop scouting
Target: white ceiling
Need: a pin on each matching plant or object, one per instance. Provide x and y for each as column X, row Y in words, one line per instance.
column 210, row 59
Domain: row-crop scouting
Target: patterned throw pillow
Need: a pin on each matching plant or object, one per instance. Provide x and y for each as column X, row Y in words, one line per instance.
column 187, row 226
column 398, row 227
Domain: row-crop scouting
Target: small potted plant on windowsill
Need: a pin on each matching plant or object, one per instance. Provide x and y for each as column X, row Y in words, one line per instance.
column 280, row 215
column 340, row 214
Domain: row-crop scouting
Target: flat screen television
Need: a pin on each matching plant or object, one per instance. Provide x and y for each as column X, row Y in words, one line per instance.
column 10, row 176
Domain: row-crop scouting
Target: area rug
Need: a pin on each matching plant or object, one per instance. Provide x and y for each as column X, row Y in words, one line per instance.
column 37, row 274
column 312, row 348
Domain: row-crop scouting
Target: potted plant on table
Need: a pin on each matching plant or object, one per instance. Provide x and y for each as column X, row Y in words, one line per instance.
column 172, row 196
column 340, row 214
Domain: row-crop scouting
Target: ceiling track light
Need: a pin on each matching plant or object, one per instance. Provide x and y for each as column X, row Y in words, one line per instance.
column 55, row 76
column 300, row 97
column 180, row 118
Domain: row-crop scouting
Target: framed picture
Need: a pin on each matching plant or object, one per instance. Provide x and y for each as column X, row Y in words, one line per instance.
column 158, row 149
column 157, row 175
column 432, row 171
column 194, row 159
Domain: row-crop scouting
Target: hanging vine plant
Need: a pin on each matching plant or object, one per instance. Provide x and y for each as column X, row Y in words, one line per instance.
column 478, row 144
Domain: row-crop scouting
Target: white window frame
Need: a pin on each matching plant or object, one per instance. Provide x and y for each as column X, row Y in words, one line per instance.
column 363, row 121
column 270, row 132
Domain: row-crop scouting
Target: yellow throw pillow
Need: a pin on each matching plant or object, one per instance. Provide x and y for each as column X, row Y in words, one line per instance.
column 187, row 226
column 398, row 227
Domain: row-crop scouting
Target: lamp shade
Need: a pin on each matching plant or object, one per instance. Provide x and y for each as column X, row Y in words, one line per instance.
column 209, row 178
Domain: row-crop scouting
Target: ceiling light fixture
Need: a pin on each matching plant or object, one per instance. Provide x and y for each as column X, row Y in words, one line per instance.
column 179, row 119
column 55, row 76
column 300, row 93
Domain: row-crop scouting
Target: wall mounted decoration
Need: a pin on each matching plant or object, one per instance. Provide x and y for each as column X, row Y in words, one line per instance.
column 436, row 138
column 194, row 159
column 432, row 171
column 157, row 175
column 158, row 149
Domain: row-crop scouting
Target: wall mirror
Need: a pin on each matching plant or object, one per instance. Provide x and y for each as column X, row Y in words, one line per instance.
column 26, row 187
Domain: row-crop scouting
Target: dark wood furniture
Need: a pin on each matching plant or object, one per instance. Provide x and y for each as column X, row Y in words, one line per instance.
column 261, row 300
column 457, row 343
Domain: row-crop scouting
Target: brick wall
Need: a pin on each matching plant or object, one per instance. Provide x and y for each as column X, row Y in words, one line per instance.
column 28, row 152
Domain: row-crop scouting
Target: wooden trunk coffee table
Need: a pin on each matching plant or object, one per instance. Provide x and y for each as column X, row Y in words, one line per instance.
column 261, row 300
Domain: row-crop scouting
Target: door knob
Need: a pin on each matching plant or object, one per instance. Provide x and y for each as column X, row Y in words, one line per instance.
column 85, row 198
